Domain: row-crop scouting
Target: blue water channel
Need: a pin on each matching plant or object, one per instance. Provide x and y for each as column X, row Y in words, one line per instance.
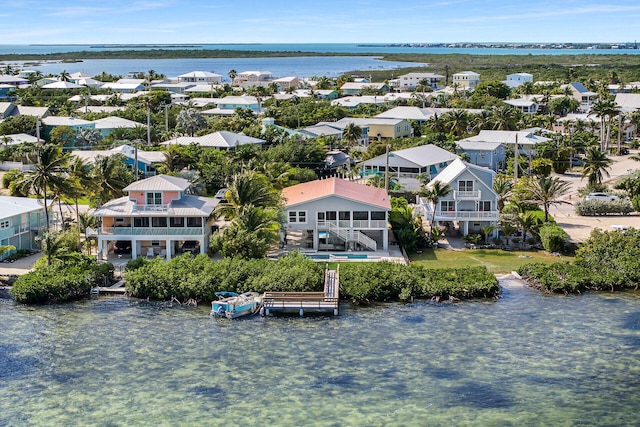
column 527, row 360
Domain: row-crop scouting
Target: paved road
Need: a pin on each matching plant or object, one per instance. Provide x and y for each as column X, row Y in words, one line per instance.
column 579, row 228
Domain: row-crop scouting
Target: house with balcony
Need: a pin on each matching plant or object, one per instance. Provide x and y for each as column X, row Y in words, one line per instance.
column 21, row 220
column 466, row 80
column 525, row 138
column 472, row 203
column 200, row 77
column 338, row 215
column 492, row 155
column 251, row 78
column 516, row 79
column 408, row 165
column 409, row 82
column 582, row 95
column 157, row 217
column 527, row 106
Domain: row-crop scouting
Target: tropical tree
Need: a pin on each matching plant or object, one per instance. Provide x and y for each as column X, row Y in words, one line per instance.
column 79, row 173
column 546, row 191
column 352, row 133
column 435, row 191
column 64, row 76
column 502, row 185
column 457, row 122
column 191, row 121
column 232, row 74
column 605, row 109
column 529, row 223
column 49, row 166
column 248, row 188
column 110, row 176
column 504, row 118
column 55, row 245
column 596, row 163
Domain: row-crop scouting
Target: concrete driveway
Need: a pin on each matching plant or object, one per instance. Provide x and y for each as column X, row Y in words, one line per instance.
column 579, row 227
column 19, row 267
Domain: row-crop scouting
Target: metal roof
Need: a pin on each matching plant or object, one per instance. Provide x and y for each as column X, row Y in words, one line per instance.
column 12, row 206
column 159, row 183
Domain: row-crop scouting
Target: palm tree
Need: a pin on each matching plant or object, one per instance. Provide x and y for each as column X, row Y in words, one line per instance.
column 232, row 74
column 53, row 246
column 528, row 222
column 596, row 164
column 457, row 122
column 64, row 76
column 80, row 174
column 502, row 185
column 110, row 177
column 604, row 109
column 248, row 188
column 49, row 165
column 435, row 191
column 546, row 192
column 324, row 82
column 504, row 118
column 352, row 133
column 191, row 120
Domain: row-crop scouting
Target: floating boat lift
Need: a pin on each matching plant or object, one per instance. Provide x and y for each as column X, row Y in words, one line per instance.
column 291, row 302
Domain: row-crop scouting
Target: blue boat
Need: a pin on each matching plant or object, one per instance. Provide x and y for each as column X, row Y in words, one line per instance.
column 232, row 305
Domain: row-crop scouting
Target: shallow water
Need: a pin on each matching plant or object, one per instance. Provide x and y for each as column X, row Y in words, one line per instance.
column 527, row 359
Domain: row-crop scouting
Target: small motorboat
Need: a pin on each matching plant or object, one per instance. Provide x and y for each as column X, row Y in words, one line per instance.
column 232, row 305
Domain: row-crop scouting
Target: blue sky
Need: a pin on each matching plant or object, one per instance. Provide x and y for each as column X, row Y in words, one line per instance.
column 332, row 21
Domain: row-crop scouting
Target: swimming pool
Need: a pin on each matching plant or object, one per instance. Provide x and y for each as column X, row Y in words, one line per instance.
column 340, row 256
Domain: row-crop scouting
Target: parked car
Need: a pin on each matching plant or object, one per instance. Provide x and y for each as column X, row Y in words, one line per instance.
column 192, row 246
column 577, row 161
column 122, row 247
column 220, row 194
column 601, row 196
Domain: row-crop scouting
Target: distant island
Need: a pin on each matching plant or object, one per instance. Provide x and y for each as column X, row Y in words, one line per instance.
column 466, row 45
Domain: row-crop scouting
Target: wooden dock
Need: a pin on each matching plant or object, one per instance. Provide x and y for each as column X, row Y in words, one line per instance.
column 116, row 288
column 291, row 302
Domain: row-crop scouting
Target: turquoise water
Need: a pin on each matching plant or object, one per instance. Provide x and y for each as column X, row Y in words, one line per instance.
column 319, row 47
column 525, row 360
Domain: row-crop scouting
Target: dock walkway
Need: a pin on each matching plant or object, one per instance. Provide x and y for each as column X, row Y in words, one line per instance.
column 326, row 301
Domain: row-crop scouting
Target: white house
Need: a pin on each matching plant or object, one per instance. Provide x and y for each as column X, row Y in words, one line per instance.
column 338, row 215
column 409, row 82
column 526, row 138
column 200, row 77
column 222, row 140
column 472, row 203
column 516, row 79
column 466, row 80
column 252, row 77
column 529, row 106
column 406, row 166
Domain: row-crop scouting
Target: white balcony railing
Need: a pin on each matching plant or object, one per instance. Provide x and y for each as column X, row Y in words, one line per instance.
column 151, row 208
column 151, row 231
column 467, row 195
column 356, row 223
column 462, row 215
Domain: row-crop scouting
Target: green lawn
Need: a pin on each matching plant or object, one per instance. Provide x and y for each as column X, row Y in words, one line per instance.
column 496, row 261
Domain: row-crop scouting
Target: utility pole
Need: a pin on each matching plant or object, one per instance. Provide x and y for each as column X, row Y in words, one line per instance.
column 148, row 125
column 166, row 117
column 386, row 171
column 515, row 163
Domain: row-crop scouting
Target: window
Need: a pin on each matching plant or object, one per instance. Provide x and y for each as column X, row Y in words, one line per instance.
column 447, row 206
column 118, row 220
column 154, row 198
column 298, row 217
column 159, row 222
column 141, row 222
column 194, row 222
column 361, row 215
column 484, row 206
column 377, row 216
column 4, row 224
column 465, row 185
column 344, row 215
column 176, row 222
column 331, row 216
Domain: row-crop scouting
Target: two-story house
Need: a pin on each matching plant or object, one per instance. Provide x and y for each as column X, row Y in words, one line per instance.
column 157, row 217
column 408, row 165
column 472, row 203
column 21, row 220
column 409, row 81
column 146, row 161
column 249, row 78
column 466, row 80
column 200, row 77
column 338, row 215
column 583, row 95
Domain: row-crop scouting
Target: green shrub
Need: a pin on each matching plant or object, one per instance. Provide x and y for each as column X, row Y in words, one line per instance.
column 199, row 277
column 60, row 282
column 635, row 202
column 553, row 238
column 602, row 207
column 136, row 263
